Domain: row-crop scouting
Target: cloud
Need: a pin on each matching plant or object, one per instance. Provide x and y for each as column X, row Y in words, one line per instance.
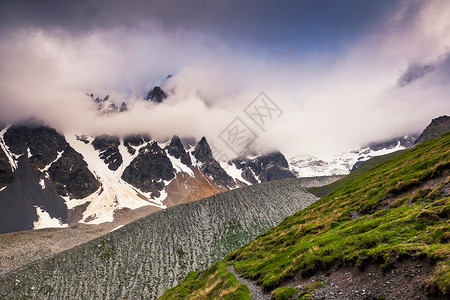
column 414, row 72
column 336, row 93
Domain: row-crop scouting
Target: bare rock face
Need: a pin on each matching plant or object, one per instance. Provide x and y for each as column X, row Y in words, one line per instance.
column 267, row 167
column 143, row 258
column 45, row 147
column 6, row 174
column 71, row 175
column 156, row 95
column 19, row 200
column 43, row 142
column 437, row 127
column 149, row 169
column 210, row 166
column 109, row 150
column 176, row 149
column 105, row 106
column 123, row 107
column 134, row 141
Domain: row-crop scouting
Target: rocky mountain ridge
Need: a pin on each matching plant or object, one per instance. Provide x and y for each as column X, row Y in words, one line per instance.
column 94, row 178
column 437, row 127
column 344, row 163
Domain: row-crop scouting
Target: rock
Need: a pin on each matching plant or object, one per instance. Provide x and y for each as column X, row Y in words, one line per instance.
column 71, row 176
column 109, row 150
column 135, row 141
column 123, row 107
column 106, row 105
column 437, row 127
column 43, row 142
column 156, row 95
column 210, row 166
column 149, row 169
column 267, row 167
column 19, row 200
column 176, row 149
column 6, row 174
column 69, row 173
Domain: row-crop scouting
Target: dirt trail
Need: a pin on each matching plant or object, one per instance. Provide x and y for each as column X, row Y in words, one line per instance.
column 256, row 291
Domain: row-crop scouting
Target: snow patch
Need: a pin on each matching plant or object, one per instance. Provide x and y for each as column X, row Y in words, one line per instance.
column 179, row 166
column 47, row 167
column 127, row 158
column 311, row 166
column 42, row 183
column 195, row 162
column 120, row 226
column 114, row 193
column 12, row 158
column 234, row 172
column 45, row 220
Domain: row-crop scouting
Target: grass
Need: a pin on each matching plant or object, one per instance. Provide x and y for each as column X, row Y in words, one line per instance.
column 398, row 208
column 213, row 283
column 284, row 293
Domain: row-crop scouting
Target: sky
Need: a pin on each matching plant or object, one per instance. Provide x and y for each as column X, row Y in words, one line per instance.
column 342, row 74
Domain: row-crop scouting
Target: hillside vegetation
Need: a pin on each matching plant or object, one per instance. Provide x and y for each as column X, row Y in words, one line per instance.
column 397, row 209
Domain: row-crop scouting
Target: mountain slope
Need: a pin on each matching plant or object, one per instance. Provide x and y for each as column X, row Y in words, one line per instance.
column 437, row 127
column 102, row 178
column 398, row 209
column 143, row 258
column 344, row 163
column 24, row 201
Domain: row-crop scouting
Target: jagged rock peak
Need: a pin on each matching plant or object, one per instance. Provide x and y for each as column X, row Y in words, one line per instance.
column 176, row 149
column 50, row 154
column 437, row 127
column 266, row 167
column 150, row 169
column 106, row 106
column 203, row 152
column 157, row 95
column 123, row 107
column 210, row 166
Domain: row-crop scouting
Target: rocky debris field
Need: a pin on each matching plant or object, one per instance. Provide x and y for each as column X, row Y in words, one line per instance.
column 143, row 258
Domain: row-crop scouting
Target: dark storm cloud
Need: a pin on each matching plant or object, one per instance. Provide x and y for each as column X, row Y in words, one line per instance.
column 417, row 70
column 414, row 72
column 303, row 24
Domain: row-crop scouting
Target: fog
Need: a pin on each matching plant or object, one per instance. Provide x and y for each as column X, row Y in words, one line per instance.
column 336, row 90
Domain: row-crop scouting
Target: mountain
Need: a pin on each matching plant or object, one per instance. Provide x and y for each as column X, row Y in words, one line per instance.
column 145, row 257
column 44, row 169
column 344, row 163
column 437, row 127
column 69, row 178
column 382, row 235
column 156, row 95
column 272, row 166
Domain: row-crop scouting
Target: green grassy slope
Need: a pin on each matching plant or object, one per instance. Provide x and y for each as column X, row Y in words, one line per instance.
column 213, row 283
column 399, row 208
